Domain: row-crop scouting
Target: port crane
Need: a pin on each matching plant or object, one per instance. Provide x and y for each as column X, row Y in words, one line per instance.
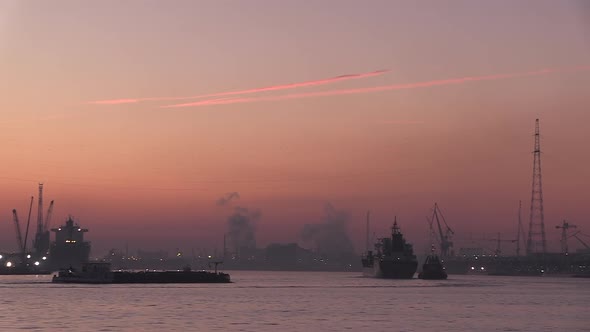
column 42, row 237
column 446, row 245
column 28, row 224
column 48, row 218
column 19, row 237
column 431, row 234
column 41, row 242
column 22, row 244
column 499, row 241
column 580, row 240
column 564, row 227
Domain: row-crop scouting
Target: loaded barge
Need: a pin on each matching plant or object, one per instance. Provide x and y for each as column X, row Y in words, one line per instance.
column 101, row 273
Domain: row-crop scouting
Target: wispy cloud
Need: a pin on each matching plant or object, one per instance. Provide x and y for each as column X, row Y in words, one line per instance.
column 248, row 91
column 401, row 122
column 416, row 85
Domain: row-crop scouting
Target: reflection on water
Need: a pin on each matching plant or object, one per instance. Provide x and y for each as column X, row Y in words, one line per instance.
column 300, row 301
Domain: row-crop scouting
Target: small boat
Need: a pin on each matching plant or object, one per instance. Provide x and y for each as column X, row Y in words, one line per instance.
column 432, row 268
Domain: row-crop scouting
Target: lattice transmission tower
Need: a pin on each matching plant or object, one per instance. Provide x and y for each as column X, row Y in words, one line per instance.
column 536, row 243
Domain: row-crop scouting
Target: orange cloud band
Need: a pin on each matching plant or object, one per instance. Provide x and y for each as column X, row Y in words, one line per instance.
column 248, row 91
column 404, row 86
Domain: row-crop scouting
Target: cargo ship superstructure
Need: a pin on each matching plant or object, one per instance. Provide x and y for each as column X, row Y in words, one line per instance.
column 69, row 248
column 393, row 257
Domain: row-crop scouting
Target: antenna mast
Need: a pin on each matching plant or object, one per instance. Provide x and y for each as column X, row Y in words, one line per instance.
column 536, row 240
column 519, row 231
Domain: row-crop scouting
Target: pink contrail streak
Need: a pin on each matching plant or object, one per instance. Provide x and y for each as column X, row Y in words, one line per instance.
column 249, row 91
column 416, row 85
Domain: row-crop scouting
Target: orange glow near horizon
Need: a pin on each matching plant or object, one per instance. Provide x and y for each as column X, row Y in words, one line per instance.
column 393, row 142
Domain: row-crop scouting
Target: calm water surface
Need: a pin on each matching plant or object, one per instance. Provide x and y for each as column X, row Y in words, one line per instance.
column 300, row 301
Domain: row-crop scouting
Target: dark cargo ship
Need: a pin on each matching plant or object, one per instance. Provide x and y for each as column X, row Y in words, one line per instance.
column 393, row 258
column 69, row 248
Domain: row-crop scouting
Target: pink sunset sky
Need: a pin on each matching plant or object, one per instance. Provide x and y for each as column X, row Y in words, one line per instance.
column 441, row 104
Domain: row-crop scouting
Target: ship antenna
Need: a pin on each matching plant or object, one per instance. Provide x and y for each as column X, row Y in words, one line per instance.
column 395, row 228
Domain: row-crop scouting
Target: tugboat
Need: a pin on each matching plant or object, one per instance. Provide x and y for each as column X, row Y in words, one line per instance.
column 433, row 268
column 91, row 273
column 393, row 258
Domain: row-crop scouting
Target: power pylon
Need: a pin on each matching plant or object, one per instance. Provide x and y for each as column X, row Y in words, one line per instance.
column 536, row 243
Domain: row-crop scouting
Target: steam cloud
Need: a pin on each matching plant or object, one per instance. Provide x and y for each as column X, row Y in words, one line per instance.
column 241, row 224
column 329, row 237
column 241, row 228
column 228, row 198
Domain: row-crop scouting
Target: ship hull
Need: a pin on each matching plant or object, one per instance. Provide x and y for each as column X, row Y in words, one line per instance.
column 391, row 270
column 165, row 277
column 435, row 272
column 81, row 280
column 144, row 277
column 63, row 256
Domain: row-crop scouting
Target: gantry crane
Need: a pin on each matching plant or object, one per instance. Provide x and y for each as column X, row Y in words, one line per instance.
column 48, row 218
column 446, row 245
column 19, row 237
column 27, row 230
column 564, row 227
column 580, row 240
column 499, row 241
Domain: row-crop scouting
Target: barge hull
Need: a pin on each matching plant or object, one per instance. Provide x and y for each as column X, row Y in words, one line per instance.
column 169, row 277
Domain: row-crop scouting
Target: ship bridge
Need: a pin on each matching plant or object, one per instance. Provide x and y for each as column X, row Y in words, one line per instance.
column 69, row 233
column 69, row 248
